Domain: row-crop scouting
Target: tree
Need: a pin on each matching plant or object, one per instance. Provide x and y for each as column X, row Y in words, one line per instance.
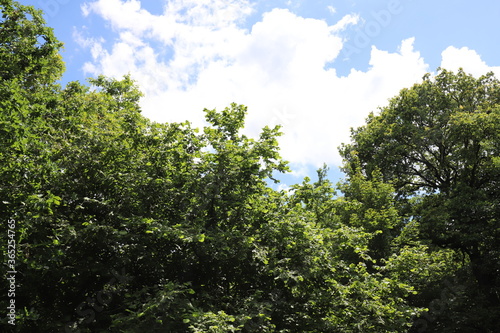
column 438, row 144
column 29, row 65
column 29, row 51
column 126, row 225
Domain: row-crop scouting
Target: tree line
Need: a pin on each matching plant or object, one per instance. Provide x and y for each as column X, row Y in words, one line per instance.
column 123, row 224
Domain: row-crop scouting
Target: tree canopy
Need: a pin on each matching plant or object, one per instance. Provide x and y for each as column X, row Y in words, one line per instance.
column 437, row 143
column 127, row 225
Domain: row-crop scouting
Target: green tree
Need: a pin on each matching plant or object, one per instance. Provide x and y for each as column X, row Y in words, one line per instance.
column 29, row 65
column 29, row 51
column 438, row 144
column 338, row 267
column 126, row 225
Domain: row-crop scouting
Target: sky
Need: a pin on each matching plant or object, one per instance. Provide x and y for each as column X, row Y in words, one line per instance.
column 317, row 68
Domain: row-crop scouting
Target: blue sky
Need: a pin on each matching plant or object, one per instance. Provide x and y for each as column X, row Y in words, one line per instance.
column 317, row 68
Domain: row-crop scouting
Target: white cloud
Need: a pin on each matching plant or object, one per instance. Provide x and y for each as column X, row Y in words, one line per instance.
column 454, row 58
column 345, row 22
column 285, row 188
column 278, row 68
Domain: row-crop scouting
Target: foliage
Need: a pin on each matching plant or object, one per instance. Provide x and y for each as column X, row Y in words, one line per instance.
column 438, row 144
column 127, row 225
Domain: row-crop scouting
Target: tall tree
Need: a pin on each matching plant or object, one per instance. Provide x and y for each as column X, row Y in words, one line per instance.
column 438, row 144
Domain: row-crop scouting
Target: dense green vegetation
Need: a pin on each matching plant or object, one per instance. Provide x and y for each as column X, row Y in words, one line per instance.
column 126, row 225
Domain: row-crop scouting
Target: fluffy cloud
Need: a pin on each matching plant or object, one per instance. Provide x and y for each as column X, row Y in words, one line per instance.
column 282, row 68
column 454, row 58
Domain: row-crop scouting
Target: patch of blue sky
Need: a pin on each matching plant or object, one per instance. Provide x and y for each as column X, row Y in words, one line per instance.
column 286, row 180
column 154, row 7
